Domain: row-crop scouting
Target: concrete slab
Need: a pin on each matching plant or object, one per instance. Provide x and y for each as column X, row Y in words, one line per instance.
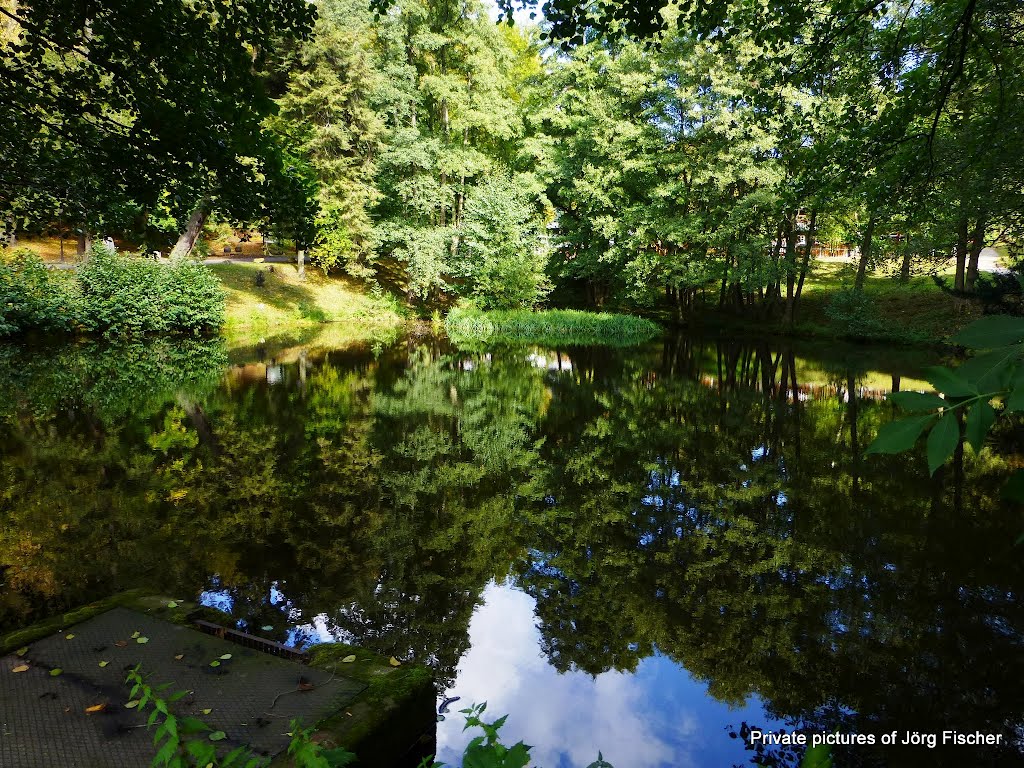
column 252, row 696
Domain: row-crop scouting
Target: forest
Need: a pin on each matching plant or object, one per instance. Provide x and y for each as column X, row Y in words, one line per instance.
column 684, row 158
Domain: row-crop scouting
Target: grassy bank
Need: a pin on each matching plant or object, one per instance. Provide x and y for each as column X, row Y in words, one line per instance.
column 916, row 312
column 555, row 327
column 284, row 307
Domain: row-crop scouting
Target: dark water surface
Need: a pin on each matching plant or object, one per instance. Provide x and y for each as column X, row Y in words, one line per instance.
column 637, row 550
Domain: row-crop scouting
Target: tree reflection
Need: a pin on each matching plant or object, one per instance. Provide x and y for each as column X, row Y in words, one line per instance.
column 705, row 500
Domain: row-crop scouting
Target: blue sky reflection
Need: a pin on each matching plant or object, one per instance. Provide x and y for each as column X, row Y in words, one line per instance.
column 658, row 717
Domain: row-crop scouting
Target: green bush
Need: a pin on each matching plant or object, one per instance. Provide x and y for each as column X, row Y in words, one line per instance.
column 129, row 296
column 854, row 314
column 33, row 297
column 469, row 327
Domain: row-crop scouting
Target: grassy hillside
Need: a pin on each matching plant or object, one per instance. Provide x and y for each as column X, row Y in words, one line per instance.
column 285, row 307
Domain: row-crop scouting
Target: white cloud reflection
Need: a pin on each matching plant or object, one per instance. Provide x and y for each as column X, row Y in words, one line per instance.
column 566, row 716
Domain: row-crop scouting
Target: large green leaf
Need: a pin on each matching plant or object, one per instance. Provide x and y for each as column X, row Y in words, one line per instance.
column 942, row 441
column 819, row 756
column 979, row 420
column 1015, row 401
column 991, row 332
column 991, row 371
column 899, row 435
column 949, row 383
column 917, row 401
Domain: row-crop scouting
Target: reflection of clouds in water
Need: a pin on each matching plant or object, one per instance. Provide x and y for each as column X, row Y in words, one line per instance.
column 568, row 716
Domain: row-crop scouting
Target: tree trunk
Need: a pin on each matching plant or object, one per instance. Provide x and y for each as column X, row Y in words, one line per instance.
column 790, row 266
column 865, row 254
column 193, row 229
column 301, row 259
column 812, row 231
column 905, row 265
column 959, row 282
column 84, row 243
column 977, row 243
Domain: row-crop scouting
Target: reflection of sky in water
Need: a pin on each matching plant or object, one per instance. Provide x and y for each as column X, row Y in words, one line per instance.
column 658, row 717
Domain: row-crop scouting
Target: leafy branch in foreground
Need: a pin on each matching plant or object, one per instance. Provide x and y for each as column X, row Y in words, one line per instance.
column 965, row 410
column 188, row 742
column 487, row 751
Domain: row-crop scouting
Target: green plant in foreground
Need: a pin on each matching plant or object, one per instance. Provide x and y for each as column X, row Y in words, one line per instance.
column 487, row 751
column 188, row 742
column 965, row 410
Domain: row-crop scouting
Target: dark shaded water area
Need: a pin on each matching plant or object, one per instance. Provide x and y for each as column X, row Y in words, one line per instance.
column 634, row 550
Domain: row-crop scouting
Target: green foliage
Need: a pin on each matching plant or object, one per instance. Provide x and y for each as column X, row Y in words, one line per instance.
column 967, row 396
column 184, row 742
column 854, row 314
column 470, row 327
column 502, row 253
column 33, row 297
column 488, row 751
column 128, row 296
column 188, row 742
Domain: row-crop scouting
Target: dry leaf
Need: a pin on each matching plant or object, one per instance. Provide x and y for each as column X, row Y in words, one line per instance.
column 305, row 685
column 131, row 705
column 349, row 659
column 226, row 656
column 95, row 708
column 207, row 711
column 20, row 668
column 179, row 657
column 69, row 636
column 121, row 643
column 394, row 662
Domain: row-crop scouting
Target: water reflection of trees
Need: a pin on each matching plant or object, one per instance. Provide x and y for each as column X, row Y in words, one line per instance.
column 697, row 499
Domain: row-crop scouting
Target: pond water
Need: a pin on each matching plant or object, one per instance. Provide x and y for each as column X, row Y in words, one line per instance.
column 643, row 551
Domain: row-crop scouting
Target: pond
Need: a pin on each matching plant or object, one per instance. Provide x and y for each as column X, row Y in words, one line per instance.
column 641, row 551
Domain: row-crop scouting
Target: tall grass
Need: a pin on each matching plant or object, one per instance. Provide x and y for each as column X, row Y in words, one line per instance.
column 467, row 327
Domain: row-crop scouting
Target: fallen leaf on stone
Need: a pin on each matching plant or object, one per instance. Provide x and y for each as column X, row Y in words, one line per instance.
column 20, row 668
column 69, row 637
column 121, row 643
column 179, row 657
column 142, row 640
column 104, row 663
column 95, row 708
column 266, row 628
column 218, row 736
column 207, row 711
column 172, row 604
column 131, row 705
column 394, row 662
column 214, row 663
column 21, row 651
column 349, row 659
column 305, row 685
column 135, row 634
column 226, row 656
column 56, row 672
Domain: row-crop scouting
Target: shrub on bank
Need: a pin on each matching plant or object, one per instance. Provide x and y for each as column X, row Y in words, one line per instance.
column 32, row 297
column 109, row 294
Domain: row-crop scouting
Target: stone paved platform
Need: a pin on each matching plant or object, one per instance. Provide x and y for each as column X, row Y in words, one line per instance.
column 43, row 722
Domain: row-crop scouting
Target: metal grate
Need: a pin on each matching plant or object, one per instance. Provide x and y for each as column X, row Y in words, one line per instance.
column 251, row 641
